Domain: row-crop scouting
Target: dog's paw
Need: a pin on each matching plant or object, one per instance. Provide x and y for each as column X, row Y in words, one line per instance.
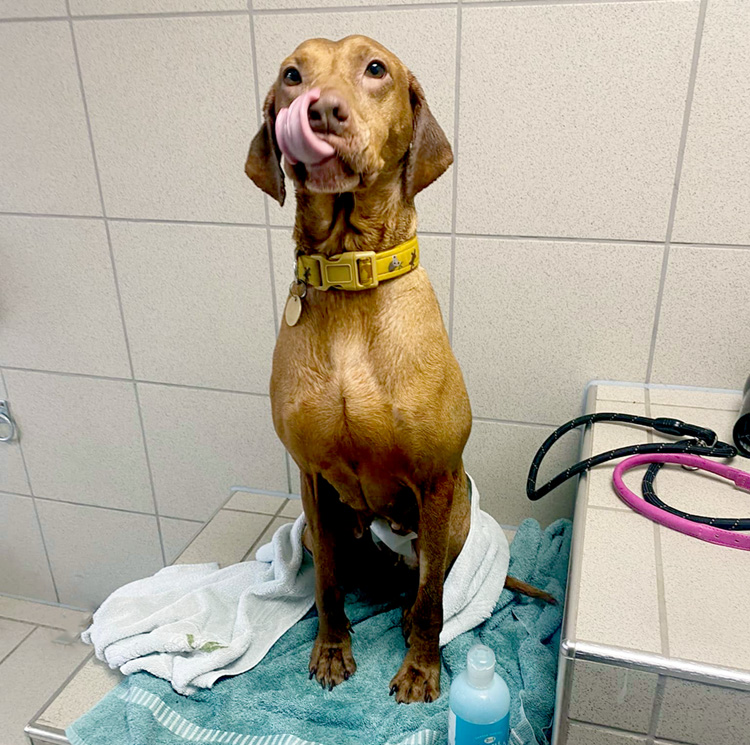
column 332, row 663
column 416, row 682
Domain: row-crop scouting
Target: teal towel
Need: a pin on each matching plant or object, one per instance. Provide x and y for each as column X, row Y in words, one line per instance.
column 276, row 704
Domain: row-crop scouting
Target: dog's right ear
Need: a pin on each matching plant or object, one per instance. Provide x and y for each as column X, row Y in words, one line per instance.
column 263, row 164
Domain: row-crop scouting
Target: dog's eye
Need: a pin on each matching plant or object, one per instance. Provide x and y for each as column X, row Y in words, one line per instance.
column 292, row 76
column 376, row 70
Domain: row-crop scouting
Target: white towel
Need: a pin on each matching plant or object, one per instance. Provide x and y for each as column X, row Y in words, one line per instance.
column 477, row 576
column 193, row 624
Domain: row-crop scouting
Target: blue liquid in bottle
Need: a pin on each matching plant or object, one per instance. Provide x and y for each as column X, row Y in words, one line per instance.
column 479, row 702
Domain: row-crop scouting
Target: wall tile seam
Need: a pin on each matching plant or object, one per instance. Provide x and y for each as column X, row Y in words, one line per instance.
column 661, row 599
column 454, row 172
column 32, row 497
column 115, row 279
column 266, row 210
column 661, row 683
column 319, row 9
column 429, row 233
column 692, row 76
column 139, row 381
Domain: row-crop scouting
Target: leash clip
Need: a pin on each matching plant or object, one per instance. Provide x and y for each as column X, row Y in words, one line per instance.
column 681, row 429
column 701, row 443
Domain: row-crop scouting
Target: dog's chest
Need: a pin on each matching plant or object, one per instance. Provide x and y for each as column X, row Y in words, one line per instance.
column 365, row 390
column 340, row 402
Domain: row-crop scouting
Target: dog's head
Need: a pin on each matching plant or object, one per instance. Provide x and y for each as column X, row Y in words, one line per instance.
column 371, row 110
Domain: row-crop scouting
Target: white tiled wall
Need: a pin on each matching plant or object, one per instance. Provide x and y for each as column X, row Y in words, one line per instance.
column 612, row 705
column 595, row 225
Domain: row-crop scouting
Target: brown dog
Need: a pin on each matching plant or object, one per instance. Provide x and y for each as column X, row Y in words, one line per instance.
column 366, row 393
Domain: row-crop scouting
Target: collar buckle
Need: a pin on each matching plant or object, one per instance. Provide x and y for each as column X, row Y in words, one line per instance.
column 351, row 270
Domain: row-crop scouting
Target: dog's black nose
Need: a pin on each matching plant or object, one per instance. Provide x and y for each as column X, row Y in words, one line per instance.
column 329, row 114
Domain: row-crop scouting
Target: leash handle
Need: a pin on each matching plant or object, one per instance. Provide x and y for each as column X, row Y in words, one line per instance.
column 698, row 445
column 705, row 532
column 740, row 478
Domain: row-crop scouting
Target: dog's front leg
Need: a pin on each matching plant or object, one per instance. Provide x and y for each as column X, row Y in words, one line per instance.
column 331, row 661
column 418, row 679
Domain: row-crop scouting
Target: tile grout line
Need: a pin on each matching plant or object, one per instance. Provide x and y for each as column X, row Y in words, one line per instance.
column 656, row 709
column 560, row 239
column 147, row 220
column 266, row 211
column 380, row 7
column 268, row 525
column 288, row 460
column 282, row 495
column 33, row 629
column 435, row 233
column 55, row 500
column 248, row 512
column 45, row 603
column 32, row 496
column 36, row 624
column 115, row 278
column 85, row 661
column 300, row 10
column 575, row 563
column 676, row 186
column 491, row 420
column 609, row 728
column 150, row 474
column 114, row 378
column 259, row 123
column 607, row 508
column 164, row 221
column 661, row 600
column 660, row 592
column 454, row 175
column 514, row 422
column 260, row 492
column 204, row 526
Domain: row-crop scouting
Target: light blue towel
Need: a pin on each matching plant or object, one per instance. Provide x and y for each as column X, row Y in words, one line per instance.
column 276, row 704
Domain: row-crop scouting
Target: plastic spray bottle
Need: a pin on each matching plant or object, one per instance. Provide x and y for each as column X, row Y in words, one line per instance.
column 479, row 702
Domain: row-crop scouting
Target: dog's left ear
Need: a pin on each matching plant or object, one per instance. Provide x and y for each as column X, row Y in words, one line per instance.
column 430, row 153
column 263, row 164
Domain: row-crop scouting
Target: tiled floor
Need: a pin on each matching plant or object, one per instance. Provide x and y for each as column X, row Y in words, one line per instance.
column 38, row 651
column 39, row 648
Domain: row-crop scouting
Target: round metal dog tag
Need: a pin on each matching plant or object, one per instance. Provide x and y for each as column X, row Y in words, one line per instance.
column 293, row 309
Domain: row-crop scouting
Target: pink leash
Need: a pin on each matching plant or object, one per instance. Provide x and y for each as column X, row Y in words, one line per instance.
column 707, row 533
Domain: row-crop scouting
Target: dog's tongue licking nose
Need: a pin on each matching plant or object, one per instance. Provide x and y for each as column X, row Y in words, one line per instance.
column 297, row 141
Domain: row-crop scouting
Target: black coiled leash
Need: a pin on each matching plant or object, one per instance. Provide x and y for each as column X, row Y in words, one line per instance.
column 726, row 523
column 702, row 441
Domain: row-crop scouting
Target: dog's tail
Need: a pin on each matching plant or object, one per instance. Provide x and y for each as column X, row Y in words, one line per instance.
column 534, row 592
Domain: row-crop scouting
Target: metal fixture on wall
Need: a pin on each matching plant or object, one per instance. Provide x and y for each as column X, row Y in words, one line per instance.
column 7, row 425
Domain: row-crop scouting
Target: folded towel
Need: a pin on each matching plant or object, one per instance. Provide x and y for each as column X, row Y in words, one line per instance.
column 276, row 703
column 193, row 624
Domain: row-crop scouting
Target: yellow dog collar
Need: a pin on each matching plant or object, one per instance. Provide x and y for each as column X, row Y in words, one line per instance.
column 357, row 270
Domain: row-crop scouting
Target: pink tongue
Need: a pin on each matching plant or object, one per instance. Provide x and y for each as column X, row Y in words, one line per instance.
column 297, row 141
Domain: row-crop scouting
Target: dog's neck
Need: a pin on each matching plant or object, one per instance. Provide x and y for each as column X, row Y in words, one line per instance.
column 374, row 219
